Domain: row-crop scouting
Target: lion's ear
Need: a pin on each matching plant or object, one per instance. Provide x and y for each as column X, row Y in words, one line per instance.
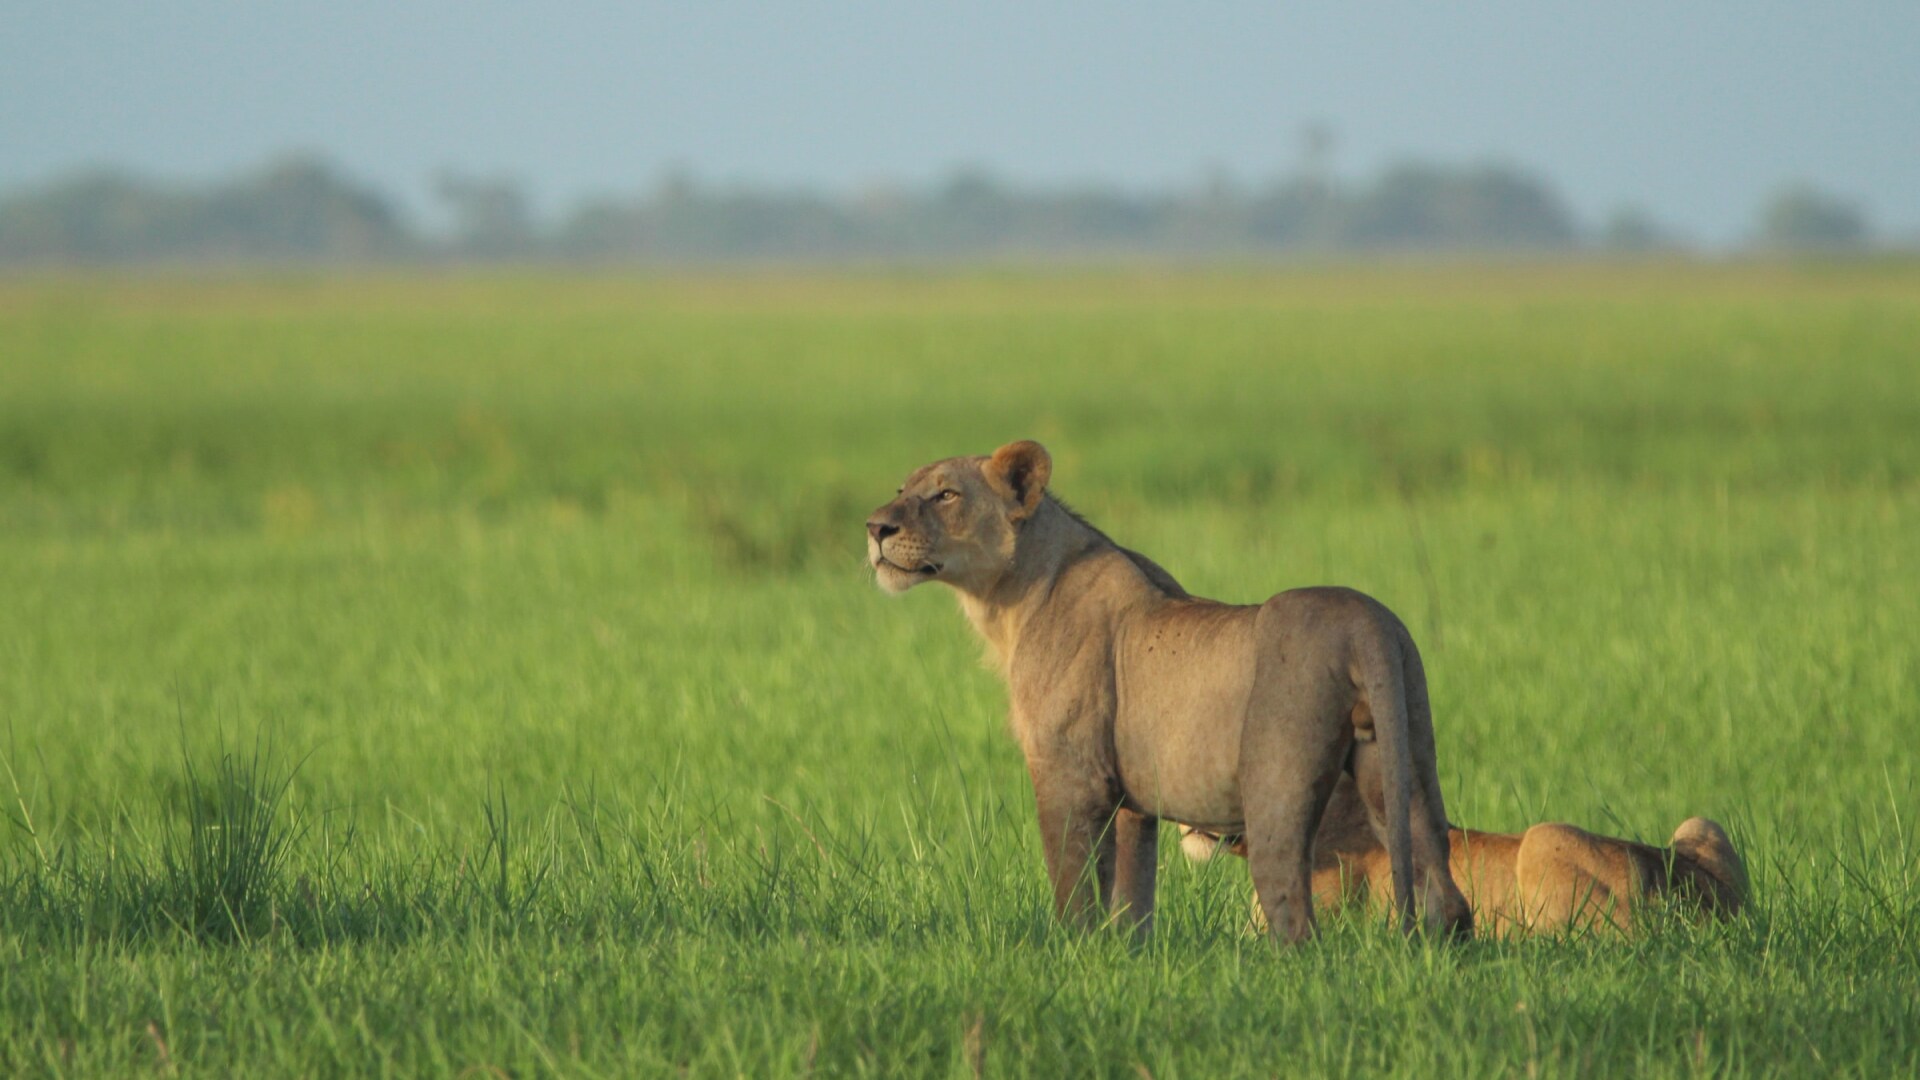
column 1019, row 470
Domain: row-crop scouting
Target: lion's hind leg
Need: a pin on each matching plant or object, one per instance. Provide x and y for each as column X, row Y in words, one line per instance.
column 1283, row 807
column 1290, row 759
column 1569, row 878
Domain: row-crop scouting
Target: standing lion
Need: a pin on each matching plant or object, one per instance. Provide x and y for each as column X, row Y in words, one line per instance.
column 1134, row 701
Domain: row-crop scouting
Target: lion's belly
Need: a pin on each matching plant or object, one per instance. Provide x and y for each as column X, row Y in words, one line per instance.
column 1184, row 680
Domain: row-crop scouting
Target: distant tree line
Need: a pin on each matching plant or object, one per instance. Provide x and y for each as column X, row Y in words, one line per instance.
column 303, row 209
column 294, row 209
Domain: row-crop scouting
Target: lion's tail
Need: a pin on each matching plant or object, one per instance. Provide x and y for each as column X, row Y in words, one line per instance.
column 1395, row 683
column 1703, row 843
column 1386, row 691
column 1201, row 846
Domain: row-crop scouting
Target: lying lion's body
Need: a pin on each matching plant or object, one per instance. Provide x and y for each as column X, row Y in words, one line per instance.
column 1552, row 877
column 1134, row 701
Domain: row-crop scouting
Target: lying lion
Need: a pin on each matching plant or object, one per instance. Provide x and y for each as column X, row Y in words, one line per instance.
column 1135, row 701
column 1552, row 877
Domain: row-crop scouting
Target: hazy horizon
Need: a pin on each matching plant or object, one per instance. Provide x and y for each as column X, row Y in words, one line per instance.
column 1695, row 115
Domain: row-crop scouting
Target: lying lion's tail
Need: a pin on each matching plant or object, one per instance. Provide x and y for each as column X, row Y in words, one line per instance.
column 1722, row 878
column 1201, row 846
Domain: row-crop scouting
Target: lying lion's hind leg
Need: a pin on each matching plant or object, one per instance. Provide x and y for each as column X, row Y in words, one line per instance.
column 1284, row 803
column 1568, row 879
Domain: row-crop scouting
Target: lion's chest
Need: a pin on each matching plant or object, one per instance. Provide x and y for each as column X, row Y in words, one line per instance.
column 1182, row 686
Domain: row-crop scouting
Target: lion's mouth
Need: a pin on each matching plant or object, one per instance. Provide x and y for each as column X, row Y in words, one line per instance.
column 927, row 568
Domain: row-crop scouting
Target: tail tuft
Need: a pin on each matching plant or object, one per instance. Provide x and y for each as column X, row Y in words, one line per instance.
column 1198, row 846
column 1201, row 846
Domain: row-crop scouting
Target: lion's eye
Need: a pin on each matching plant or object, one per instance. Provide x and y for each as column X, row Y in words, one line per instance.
column 947, row 496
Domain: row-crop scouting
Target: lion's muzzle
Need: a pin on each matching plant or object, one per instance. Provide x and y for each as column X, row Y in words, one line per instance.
column 906, row 552
column 889, row 542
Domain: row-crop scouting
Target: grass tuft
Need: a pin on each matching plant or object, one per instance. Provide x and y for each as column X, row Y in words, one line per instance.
column 221, row 866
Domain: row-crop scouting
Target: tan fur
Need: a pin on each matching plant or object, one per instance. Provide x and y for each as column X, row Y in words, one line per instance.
column 1135, row 702
column 1550, row 878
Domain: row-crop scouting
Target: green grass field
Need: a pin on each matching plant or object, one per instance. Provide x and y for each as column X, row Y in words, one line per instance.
column 480, row 675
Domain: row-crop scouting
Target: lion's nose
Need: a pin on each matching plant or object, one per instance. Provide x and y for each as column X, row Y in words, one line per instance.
column 880, row 530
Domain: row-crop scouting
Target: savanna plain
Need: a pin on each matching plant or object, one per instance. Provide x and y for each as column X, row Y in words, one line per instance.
column 479, row 675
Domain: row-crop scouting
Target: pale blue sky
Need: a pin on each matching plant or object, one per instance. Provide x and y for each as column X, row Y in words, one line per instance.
column 1695, row 110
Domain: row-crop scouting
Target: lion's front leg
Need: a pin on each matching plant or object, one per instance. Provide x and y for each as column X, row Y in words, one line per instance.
column 1136, row 861
column 1076, row 832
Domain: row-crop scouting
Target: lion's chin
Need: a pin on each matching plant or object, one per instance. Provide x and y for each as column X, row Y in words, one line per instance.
column 896, row 580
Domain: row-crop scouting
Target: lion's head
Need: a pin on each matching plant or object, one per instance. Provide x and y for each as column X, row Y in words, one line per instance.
column 957, row 520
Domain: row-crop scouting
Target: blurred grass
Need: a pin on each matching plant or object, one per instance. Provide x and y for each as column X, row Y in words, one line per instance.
column 614, row 760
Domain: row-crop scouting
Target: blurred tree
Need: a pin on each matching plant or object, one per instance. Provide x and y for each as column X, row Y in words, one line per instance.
column 1491, row 207
column 295, row 208
column 1317, row 141
column 94, row 216
column 1295, row 214
column 492, row 217
column 1801, row 217
column 1632, row 230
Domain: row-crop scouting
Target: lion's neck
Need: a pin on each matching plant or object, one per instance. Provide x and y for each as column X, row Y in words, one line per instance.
column 1050, row 543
